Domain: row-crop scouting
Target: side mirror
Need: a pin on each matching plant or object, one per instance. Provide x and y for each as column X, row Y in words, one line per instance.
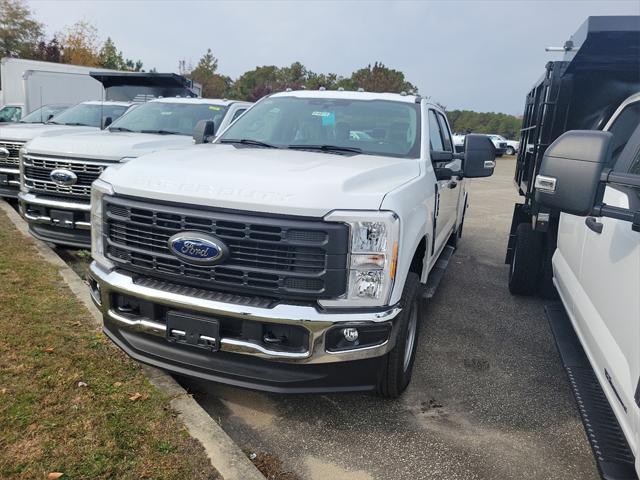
column 204, row 129
column 570, row 171
column 107, row 121
column 49, row 117
column 479, row 156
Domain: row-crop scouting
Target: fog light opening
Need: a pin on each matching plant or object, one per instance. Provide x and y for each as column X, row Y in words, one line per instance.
column 350, row 334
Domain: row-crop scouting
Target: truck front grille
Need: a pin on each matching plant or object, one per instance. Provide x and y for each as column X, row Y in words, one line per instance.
column 37, row 174
column 278, row 256
column 12, row 161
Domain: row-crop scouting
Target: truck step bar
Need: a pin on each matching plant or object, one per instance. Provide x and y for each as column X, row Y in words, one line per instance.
column 437, row 272
column 611, row 450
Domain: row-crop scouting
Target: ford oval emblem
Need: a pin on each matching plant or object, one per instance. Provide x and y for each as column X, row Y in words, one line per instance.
column 198, row 248
column 4, row 153
column 63, row 177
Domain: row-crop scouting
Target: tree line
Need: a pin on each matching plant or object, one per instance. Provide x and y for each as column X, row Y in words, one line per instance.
column 466, row 121
column 267, row 79
column 22, row 36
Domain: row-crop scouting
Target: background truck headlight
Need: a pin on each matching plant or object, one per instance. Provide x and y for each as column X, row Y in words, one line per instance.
column 373, row 254
column 99, row 189
column 21, row 153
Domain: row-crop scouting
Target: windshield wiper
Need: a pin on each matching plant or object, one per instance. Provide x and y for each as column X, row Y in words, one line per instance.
column 52, row 122
column 119, row 129
column 78, row 124
column 161, row 132
column 249, row 141
column 326, row 148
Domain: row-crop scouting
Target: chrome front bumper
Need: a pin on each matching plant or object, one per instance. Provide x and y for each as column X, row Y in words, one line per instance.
column 316, row 323
column 27, row 199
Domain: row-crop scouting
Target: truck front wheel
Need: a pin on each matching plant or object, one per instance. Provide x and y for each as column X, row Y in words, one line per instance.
column 398, row 366
column 524, row 271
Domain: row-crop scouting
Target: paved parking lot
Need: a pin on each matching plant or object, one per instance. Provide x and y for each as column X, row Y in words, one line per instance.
column 489, row 398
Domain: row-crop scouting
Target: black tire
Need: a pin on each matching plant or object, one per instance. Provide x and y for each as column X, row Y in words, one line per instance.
column 511, row 151
column 526, row 264
column 396, row 374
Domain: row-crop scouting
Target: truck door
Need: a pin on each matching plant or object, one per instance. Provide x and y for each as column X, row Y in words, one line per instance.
column 607, row 309
column 448, row 191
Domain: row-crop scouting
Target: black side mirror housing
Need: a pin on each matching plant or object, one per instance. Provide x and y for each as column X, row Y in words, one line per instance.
column 479, row 156
column 569, row 178
column 49, row 117
column 107, row 121
column 203, row 131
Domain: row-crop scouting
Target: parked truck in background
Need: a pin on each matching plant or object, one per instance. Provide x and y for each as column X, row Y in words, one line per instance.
column 292, row 255
column 56, row 172
column 86, row 116
column 122, row 91
column 29, row 84
column 599, row 73
column 579, row 228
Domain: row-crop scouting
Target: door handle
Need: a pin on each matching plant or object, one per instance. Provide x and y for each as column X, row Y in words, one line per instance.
column 452, row 184
column 593, row 224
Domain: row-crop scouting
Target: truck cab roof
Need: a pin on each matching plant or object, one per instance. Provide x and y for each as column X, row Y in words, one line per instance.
column 350, row 95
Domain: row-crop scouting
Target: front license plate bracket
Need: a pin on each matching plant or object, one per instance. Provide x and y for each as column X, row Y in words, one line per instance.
column 195, row 330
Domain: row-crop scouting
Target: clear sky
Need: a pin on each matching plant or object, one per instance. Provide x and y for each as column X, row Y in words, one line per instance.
column 471, row 54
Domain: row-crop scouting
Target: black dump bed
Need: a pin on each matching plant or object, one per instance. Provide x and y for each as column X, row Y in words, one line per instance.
column 136, row 86
column 600, row 69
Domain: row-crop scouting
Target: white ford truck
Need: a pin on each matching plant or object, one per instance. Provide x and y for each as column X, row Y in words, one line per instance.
column 57, row 172
column 593, row 178
column 83, row 117
column 291, row 255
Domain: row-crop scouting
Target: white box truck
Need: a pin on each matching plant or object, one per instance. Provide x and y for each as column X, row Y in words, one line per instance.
column 29, row 84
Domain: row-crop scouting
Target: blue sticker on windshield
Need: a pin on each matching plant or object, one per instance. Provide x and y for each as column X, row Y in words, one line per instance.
column 329, row 120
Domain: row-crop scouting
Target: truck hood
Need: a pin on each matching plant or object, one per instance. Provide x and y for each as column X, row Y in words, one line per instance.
column 23, row 132
column 105, row 145
column 263, row 180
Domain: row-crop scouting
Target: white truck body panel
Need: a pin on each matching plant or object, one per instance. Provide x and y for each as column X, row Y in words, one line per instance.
column 597, row 276
column 32, row 83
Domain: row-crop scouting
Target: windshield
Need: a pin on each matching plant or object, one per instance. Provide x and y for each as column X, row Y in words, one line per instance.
column 42, row 114
column 88, row 114
column 375, row 127
column 169, row 118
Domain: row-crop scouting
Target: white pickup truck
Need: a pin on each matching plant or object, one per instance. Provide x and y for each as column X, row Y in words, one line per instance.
column 593, row 177
column 83, row 117
column 57, row 172
column 292, row 254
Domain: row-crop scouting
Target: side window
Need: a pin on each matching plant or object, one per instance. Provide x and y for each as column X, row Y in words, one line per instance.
column 239, row 112
column 435, row 137
column 623, row 127
column 446, row 135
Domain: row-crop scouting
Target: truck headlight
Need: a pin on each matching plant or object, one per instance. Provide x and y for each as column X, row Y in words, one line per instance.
column 99, row 189
column 21, row 153
column 373, row 254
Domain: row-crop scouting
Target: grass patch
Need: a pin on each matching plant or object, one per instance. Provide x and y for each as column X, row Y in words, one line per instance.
column 65, row 391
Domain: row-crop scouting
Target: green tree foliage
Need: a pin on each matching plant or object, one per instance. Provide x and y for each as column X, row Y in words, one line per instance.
column 466, row 121
column 261, row 81
column 49, row 51
column 213, row 84
column 111, row 57
column 20, row 33
column 378, row 78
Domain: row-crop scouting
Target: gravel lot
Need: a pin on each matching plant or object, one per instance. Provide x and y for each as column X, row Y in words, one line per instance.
column 489, row 398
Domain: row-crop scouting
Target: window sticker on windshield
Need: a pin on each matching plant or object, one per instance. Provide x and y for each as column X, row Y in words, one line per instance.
column 166, row 113
column 214, row 107
column 328, row 118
